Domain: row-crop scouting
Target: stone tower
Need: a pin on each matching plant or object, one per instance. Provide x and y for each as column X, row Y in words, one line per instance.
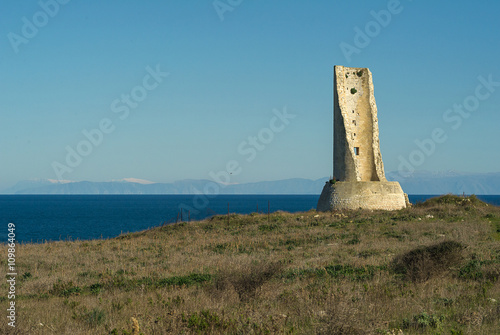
column 358, row 170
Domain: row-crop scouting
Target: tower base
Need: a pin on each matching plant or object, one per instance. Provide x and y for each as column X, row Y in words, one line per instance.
column 386, row 195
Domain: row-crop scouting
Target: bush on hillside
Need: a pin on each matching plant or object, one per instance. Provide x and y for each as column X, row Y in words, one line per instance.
column 246, row 280
column 423, row 263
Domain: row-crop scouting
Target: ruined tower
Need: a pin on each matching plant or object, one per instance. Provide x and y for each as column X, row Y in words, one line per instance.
column 359, row 178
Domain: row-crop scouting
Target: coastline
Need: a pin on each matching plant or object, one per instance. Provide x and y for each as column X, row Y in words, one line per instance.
column 308, row 271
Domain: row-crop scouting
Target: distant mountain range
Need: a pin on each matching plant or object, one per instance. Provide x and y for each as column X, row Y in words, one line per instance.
column 425, row 182
column 189, row 186
column 421, row 182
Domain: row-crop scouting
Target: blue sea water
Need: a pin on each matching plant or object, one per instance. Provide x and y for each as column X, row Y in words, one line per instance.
column 39, row 218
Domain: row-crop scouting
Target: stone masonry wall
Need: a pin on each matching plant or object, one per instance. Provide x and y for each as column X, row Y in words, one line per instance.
column 386, row 195
column 357, row 154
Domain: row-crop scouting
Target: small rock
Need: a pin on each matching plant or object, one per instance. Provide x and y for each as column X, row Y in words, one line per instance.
column 429, row 216
column 316, row 216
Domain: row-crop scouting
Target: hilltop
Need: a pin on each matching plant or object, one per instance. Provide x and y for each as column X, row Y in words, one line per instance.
column 432, row 268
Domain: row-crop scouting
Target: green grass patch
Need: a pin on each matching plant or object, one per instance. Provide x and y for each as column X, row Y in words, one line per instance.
column 65, row 289
column 266, row 228
column 423, row 321
column 205, row 321
column 191, row 279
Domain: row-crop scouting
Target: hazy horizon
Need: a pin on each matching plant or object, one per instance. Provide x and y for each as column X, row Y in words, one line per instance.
column 420, row 182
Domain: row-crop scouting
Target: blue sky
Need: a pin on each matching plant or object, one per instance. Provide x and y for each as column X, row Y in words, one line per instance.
column 233, row 66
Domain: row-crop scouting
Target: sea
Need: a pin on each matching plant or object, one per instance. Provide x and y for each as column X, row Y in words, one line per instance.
column 43, row 218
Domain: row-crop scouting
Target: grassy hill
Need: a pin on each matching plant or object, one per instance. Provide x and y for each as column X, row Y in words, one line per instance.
column 429, row 269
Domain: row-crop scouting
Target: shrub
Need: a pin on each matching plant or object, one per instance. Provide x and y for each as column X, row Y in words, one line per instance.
column 451, row 199
column 246, row 280
column 423, row 320
column 425, row 262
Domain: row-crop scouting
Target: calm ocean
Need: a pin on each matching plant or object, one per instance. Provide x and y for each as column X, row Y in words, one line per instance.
column 61, row 217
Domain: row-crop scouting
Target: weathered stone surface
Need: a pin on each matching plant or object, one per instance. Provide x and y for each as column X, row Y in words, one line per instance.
column 386, row 195
column 356, row 126
column 357, row 163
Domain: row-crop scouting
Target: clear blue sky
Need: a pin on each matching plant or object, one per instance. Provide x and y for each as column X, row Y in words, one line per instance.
column 229, row 68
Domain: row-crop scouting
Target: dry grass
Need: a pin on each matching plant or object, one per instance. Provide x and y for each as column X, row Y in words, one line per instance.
column 306, row 273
